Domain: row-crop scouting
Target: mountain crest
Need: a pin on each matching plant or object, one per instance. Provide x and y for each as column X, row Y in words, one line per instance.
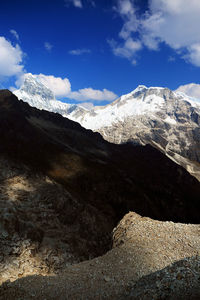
column 32, row 87
column 38, row 95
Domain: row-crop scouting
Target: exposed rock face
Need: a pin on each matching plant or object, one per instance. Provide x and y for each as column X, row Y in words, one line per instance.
column 42, row 227
column 166, row 120
column 150, row 260
column 38, row 95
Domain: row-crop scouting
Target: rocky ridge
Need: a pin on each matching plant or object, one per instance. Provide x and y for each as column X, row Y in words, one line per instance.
column 38, row 95
column 167, row 120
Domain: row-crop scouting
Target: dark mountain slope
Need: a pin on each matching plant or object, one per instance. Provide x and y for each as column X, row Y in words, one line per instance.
column 63, row 189
column 112, row 178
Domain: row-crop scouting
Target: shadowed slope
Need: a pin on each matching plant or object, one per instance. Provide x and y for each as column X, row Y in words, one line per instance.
column 63, row 189
column 113, row 178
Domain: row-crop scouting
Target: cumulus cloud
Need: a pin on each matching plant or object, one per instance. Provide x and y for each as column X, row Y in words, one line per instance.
column 11, row 58
column 48, row 46
column 125, row 7
column 15, row 34
column 191, row 89
column 193, row 54
column 128, row 49
column 61, row 87
column 76, row 3
column 170, row 22
column 174, row 23
column 92, row 94
column 79, row 51
column 130, row 45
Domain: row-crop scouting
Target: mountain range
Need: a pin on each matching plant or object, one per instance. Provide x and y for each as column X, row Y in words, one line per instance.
column 63, row 190
column 165, row 119
column 38, row 95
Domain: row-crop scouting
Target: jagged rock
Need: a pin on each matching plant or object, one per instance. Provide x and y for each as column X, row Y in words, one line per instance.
column 170, row 123
column 41, row 97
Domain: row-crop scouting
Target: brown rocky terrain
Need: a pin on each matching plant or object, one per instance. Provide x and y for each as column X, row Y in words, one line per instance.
column 149, row 260
column 62, row 191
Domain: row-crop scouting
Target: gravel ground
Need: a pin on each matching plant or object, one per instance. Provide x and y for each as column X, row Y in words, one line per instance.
column 149, row 260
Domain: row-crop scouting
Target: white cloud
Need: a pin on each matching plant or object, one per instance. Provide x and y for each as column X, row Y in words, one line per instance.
column 191, row 89
column 48, row 46
column 130, row 45
column 125, row 7
column 76, row 3
column 60, row 87
column 127, row 49
column 11, row 58
column 173, row 22
column 193, row 54
column 91, row 94
column 15, row 34
column 127, row 11
column 79, row 51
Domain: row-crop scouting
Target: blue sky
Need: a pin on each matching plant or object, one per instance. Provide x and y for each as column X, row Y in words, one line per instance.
column 96, row 50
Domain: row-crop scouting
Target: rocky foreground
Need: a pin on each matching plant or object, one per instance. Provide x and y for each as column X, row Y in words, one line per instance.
column 149, row 260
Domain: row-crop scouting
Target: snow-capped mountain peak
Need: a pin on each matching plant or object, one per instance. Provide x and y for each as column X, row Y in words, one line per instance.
column 32, row 87
column 141, row 101
column 139, row 88
column 168, row 120
column 38, row 95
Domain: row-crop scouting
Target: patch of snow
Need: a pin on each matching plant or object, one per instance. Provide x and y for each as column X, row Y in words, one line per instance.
column 170, row 121
column 113, row 113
